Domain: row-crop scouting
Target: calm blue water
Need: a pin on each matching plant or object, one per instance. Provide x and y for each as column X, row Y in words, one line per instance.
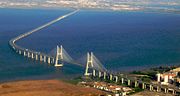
column 123, row 41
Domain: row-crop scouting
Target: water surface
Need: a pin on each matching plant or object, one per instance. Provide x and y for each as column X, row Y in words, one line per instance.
column 123, row 41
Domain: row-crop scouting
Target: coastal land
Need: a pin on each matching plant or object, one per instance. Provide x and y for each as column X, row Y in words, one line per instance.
column 117, row 5
column 46, row 88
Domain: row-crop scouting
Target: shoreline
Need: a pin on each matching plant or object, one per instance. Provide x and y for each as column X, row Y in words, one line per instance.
column 146, row 10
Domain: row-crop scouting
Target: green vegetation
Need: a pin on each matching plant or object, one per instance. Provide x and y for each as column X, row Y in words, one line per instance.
column 138, row 72
column 108, row 81
column 151, row 73
column 125, row 85
column 74, row 81
column 163, row 69
column 146, row 79
column 136, row 90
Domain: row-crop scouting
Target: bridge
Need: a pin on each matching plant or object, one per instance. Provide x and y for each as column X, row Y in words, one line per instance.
column 61, row 56
column 93, row 66
column 34, row 54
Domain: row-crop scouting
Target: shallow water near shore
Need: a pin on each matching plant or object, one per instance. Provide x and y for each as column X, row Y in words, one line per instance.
column 122, row 41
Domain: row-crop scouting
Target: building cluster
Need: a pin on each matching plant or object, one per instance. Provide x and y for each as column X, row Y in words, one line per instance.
column 115, row 90
column 170, row 77
column 98, row 4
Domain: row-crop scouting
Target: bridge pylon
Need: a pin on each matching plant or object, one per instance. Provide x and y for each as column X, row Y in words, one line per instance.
column 59, row 57
column 89, row 63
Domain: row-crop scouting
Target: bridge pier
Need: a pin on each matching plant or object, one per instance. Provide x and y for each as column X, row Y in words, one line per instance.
column 99, row 74
column 52, row 61
column 143, row 86
column 174, row 92
column 129, row 82
column 94, row 73
column 32, row 55
column 104, row 75
column 44, row 59
column 122, row 80
column 29, row 54
column 36, row 56
column 111, row 77
column 24, row 53
column 20, row 52
column 59, row 56
column 49, row 60
column 158, row 89
column 41, row 59
column 116, row 79
column 167, row 90
column 136, row 84
column 151, row 87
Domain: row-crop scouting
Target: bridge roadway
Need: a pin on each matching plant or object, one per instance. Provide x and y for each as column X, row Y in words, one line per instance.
column 34, row 54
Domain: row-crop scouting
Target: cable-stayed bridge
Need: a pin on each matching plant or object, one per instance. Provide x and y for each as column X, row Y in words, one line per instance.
column 61, row 55
column 93, row 67
column 58, row 57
